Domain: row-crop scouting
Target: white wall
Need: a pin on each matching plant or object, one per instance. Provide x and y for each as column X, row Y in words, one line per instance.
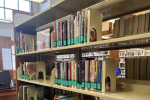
column 6, row 29
column 45, row 5
column 36, row 7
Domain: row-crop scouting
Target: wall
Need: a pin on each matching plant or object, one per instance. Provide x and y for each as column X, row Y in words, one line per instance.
column 45, row 5
column 35, row 7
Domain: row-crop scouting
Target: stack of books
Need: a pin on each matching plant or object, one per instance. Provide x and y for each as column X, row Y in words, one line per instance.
column 85, row 74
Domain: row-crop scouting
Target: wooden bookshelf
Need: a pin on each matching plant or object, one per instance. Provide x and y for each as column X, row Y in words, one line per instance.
column 132, row 90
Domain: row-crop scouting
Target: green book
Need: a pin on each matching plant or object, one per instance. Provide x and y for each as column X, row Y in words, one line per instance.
column 57, row 32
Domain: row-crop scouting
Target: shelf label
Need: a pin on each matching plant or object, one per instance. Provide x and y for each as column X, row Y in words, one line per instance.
column 83, row 84
column 89, row 85
column 56, row 81
column 92, row 85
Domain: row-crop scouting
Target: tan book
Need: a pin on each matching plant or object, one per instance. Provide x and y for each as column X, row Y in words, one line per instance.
column 136, row 68
column 146, row 22
column 139, row 24
column 143, row 68
column 148, row 68
column 117, row 25
column 142, row 23
column 131, row 68
column 121, row 34
column 126, row 26
column 130, row 25
column 135, row 25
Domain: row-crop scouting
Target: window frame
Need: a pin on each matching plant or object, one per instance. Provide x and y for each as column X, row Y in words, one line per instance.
column 30, row 9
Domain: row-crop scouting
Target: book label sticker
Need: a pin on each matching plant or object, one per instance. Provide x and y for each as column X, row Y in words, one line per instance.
column 99, row 87
column 72, row 41
column 82, row 84
column 68, row 41
column 56, row 81
column 70, row 82
column 92, row 85
column 89, row 85
column 86, row 84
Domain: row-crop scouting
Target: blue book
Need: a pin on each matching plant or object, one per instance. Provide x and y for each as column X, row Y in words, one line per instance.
column 40, row 92
column 99, row 76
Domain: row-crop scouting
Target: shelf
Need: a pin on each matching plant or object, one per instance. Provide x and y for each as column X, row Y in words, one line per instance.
column 38, row 82
column 73, row 48
column 96, row 56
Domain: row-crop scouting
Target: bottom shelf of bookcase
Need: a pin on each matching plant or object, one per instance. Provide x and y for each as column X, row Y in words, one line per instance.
column 118, row 95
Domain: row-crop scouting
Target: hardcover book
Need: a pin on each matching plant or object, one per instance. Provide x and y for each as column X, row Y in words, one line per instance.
column 99, row 76
column 72, row 30
column 43, row 39
column 92, row 66
column 69, row 31
column 65, row 33
column 60, row 35
column 85, row 26
column 83, row 73
column 86, row 74
column 31, row 70
column 82, row 26
column 57, row 32
column 55, row 36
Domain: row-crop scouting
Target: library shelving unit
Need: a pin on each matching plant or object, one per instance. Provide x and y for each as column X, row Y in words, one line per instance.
column 133, row 89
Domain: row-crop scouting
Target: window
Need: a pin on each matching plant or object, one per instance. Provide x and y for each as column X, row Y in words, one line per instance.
column 6, row 7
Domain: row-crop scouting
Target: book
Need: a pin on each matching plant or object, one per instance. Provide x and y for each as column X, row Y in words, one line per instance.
column 68, row 64
column 126, row 26
column 82, row 26
column 95, row 74
column 31, row 70
column 89, row 75
column 86, row 74
column 59, row 73
column 139, row 24
column 40, row 92
column 83, row 73
column 75, row 29
column 136, row 68
column 57, row 32
column 148, row 68
column 147, row 22
column 74, row 74
column 69, row 31
column 135, row 25
column 130, row 25
column 72, row 30
column 99, row 76
column 43, row 39
column 92, row 66
column 143, row 67
column 22, row 42
column 143, row 18
column 17, row 41
column 61, row 35
column 85, row 25
column 55, row 35
column 62, row 72
column 65, row 33
column 56, row 73
column 122, row 26
column 78, row 73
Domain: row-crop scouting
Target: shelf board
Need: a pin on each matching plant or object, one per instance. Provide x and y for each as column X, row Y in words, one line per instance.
column 72, row 48
column 38, row 82
column 119, row 95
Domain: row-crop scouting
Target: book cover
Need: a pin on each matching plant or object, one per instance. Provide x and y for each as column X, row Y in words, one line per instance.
column 85, row 26
column 17, row 41
column 92, row 66
column 43, row 39
column 122, row 26
column 22, row 42
column 55, row 35
column 65, row 33
column 40, row 92
column 31, row 70
column 95, row 75
column 83, row 73
column 69, row 31
column 56, row 73
column 61, row 35
column 99, row 76
column 86, row 74
column 82, row 26
column 57, row 32
column 72, row 30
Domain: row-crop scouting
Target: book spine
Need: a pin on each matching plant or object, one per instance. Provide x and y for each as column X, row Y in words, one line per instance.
column 75, row 30
column 57, row 31
column 59, row 73
column 60, row 38
column 68, row 31
column 62, row 74
column 61, row 67
column 77, row 34
column 85, row 26
column 83, row 74
column 72, row 30
column 89, row 85
column 71, row 74
column 86, row 75
column 67, row 74
column 56, row 73
column 65, row 33
column 55, row 36
column 92, row 66
column 82, row 27
column 77, row 73
column 99, row 75
column 74, row 74
column 95, row 75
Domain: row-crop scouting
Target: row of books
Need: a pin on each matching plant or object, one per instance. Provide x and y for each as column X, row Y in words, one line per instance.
column 85, row 74
column 31, row 92
column 25, row 42
column 138, row 68
column 133, row 53
column 71, row 31
column 137, row 24
column 100, row 53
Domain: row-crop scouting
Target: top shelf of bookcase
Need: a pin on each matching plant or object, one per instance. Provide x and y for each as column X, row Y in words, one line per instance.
column 110, row 9
column 72, row 48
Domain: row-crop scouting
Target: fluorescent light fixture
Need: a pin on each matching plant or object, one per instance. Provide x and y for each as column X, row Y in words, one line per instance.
column 38, row 1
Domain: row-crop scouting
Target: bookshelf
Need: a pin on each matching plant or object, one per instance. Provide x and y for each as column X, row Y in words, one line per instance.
column 131, row 91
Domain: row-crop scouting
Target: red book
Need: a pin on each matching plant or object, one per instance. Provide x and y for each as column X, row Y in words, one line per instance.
column 60, row 34
column 55, row 36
